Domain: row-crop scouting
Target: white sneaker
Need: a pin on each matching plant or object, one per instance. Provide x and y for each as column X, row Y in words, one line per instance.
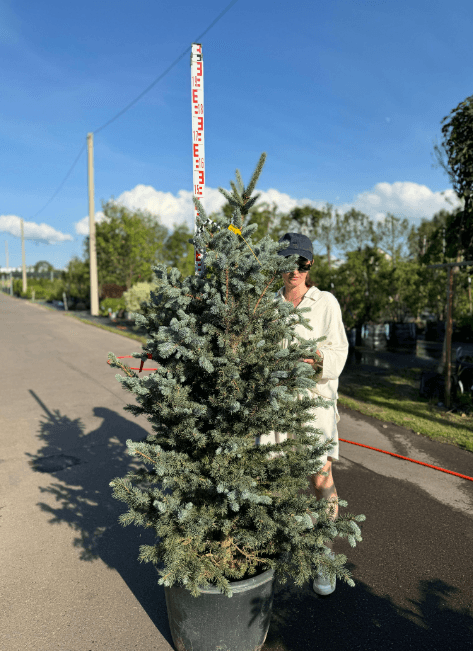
column 322, row 585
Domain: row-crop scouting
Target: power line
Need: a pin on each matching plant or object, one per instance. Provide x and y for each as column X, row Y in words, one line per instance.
column 227, row 8
column 65, row 179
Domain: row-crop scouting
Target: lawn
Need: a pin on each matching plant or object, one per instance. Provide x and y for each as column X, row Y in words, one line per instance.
column 394, row 398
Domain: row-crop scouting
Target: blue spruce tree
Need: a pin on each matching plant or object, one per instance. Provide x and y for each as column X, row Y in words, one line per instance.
column 223, row 508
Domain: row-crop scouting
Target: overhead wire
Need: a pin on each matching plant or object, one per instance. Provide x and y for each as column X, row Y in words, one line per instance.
column 128, row 106
column 64, row 180
column 163, row 74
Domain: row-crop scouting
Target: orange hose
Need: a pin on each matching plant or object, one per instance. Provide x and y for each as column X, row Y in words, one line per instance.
column 450, row 472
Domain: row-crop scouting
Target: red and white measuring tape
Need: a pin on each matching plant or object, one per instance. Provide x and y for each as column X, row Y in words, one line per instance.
column 198, row 151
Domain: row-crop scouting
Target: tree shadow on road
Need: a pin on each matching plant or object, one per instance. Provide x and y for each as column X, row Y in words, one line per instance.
column 83, row 464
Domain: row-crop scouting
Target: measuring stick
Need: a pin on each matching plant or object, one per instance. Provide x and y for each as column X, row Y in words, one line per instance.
column 198, row 152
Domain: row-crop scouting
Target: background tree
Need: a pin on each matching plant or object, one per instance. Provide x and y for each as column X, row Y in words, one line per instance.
column 408, row 292
column 327, row 232
column 392, row 234
column 362, row 286
column 457, row 147
column 76, row 279
column 178, row 252
column 129, row 243
column 322, row 276
column 43, row 266
column 355, row 231
column 426, row 242
column 305, row 220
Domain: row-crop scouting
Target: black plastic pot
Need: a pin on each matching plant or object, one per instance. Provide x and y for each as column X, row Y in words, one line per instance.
column 214, row 622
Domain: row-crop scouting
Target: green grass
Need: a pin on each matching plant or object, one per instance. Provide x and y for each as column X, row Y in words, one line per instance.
column 394, row 398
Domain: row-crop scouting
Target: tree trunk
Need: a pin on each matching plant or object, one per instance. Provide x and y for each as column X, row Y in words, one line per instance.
column 450, row 287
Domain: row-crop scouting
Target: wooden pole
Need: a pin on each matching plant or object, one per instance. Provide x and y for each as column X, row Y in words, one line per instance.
column 449, row 330
column 449, row 325
column 94, row 290
column 25, row 282
column 469, row 292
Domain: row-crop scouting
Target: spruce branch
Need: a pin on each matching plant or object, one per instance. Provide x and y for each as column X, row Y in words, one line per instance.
column 264, row 292
column 200, row 208
column 228, row 196
column 240, row 182
column 251, row 202
column 256, row 174
column 114, row 362
column 236, row 194
column 144, row 455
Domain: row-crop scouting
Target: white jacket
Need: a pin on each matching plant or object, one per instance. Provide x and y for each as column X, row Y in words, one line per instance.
column 325, row 317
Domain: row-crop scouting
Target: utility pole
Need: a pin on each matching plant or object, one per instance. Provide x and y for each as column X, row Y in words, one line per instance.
column 8, row 266
column 25, row 283
column 94, row 289
column 449, row 325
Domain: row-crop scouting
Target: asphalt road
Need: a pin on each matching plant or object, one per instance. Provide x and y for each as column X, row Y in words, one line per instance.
column 69, row 578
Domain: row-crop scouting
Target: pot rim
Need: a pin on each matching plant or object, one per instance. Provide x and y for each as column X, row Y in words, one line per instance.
column 241, row 585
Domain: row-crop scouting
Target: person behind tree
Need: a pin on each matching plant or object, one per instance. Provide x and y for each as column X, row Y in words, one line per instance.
column 326, row 320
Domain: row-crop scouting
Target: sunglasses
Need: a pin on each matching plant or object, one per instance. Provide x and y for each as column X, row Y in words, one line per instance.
column 303, row 265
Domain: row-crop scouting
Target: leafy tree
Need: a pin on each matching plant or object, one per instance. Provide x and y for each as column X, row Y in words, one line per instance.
column 355, row 230
column 267, row 217
column 76, row 278
column 307, row 219
column 322, row 276
column 362, row 286
column 128, row 244
column 43, row 266
column 391, row 235
column 178, row 251
column 136, row 295
column 407, row 290
column 327, row 232
column 426, row 242
column 457, row 147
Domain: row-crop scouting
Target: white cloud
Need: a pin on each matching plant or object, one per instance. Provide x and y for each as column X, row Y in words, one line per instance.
column 40, row 233
column 403, row 199
column 82, row 227
column 176, row 209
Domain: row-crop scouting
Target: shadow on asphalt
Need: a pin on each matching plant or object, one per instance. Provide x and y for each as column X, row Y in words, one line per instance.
column 82, row 464
column 356, row 618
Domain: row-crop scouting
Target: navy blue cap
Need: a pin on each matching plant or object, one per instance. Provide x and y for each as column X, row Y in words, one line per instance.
column 298, row 245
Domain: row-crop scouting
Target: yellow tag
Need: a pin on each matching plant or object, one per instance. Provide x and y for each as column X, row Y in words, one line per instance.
column 238, row 232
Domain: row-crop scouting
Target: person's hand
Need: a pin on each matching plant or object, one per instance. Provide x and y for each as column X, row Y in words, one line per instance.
column 312, row 362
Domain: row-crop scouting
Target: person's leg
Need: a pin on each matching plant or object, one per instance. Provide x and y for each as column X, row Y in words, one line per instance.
column 323, row 487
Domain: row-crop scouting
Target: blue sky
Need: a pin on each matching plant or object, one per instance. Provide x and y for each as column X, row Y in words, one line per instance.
column 346, row 97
